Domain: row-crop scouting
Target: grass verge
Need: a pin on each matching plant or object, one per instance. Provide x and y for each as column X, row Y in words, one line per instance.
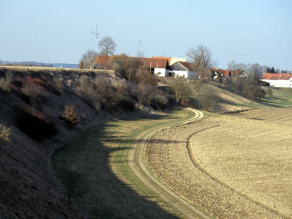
column 109, row 188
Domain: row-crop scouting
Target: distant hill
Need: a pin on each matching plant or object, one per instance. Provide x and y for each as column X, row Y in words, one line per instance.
column 58, row 65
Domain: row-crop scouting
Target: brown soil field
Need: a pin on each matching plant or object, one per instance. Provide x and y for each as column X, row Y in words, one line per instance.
column 234, row 166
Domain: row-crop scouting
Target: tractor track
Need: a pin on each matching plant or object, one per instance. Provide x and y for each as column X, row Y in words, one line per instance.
column 136, row 163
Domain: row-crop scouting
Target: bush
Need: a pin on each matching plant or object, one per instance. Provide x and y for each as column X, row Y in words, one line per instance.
column 207, row 97
column 4, row 133
column 93, row 98
column 59, row 83
column 158, row 102
column 85, row 83
column 126, row 104
column 4, row 85
column 34, row 123
column 70, row 116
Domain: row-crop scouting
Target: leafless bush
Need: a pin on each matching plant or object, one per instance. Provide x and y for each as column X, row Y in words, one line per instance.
column 146, row 89
column 9, row 76
column 5, row 133
column 85, row 83
column 207, row 97
column 122, row 89
column 73, row 182
column 93, row 98
column 181, row 89
column 4, row 85
column 101, row 86
column 126, row 104
column 158, row 102
column 269, row 92
column 70, row 116
column 59, row 83
column 80, row 93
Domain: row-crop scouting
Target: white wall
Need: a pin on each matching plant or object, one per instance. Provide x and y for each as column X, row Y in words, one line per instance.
column 279, row 83
column 162, row 72
column 185, row 74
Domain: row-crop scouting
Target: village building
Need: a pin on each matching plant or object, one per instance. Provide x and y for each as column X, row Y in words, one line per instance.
column 102, row 61
column 182, row 69
column 278, row 80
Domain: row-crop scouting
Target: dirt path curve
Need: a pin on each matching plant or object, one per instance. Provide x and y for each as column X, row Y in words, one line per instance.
column 136, row 163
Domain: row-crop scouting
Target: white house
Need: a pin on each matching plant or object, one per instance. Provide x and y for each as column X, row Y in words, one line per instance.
column 181, row 69
column 278, row 80
column 158, row 66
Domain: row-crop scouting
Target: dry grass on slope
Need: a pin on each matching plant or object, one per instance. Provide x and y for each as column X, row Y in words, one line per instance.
column 29, row 188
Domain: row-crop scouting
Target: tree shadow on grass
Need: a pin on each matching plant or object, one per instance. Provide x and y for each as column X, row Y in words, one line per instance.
column 106, row 195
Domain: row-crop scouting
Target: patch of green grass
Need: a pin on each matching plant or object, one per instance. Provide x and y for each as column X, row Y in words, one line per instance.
column 100, row 155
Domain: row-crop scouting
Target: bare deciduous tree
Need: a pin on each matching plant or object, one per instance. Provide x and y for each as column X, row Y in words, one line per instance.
column 107, row 46
column 87, row 59
column 181, row 89
column 202, row 56
column 253, row 69
column 235, row 66
column 207, row 97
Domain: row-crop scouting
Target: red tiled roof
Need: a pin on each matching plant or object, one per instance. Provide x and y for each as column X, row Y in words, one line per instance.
column 102, row 60
column 187, row 65
column 235, row 72
column 154, row 63
column 272, row 76
column 224, row 72
column 157, row 57
column 286, row 76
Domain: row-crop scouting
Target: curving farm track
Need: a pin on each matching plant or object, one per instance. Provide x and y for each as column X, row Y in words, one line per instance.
column 136, row 163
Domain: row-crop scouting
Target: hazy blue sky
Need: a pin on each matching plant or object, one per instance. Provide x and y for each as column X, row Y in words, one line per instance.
column 247, row 31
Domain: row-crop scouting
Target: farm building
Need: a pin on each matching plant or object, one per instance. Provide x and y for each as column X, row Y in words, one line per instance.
column 102, row 61
column 278, row 80
column 171, row 60
column 181, row 69
column 157, row 66
column 228, row 73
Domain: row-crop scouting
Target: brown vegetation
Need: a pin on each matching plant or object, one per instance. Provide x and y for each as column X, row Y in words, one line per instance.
column 29, row 188
column 70, row 116
column 244, row 174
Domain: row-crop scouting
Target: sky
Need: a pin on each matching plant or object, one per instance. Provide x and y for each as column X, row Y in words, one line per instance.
column 59, row 31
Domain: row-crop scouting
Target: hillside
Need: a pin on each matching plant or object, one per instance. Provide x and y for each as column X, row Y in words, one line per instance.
column 32, row 104
column 33, row 98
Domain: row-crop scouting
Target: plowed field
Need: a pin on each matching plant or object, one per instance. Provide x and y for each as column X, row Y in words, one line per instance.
column 237, row 166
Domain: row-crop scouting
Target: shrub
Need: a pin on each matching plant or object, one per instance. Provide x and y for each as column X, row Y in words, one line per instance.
column 207, row 97
column 34, row 123
column 4, row 133
column 4, row 85
column 70, row 116
column 53, row 89
column 126, row 104
column 147, row 90
column 85, row 83
column 59, row 83
column 269, row 92
column 158, row 102
column 122, row 89
column 188, row 103
column 9, row 76
column 93, row 98
column 40, row 82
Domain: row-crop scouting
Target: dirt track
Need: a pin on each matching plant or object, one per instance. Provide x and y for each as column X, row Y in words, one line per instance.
column 137, row 165
column 204, row 167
